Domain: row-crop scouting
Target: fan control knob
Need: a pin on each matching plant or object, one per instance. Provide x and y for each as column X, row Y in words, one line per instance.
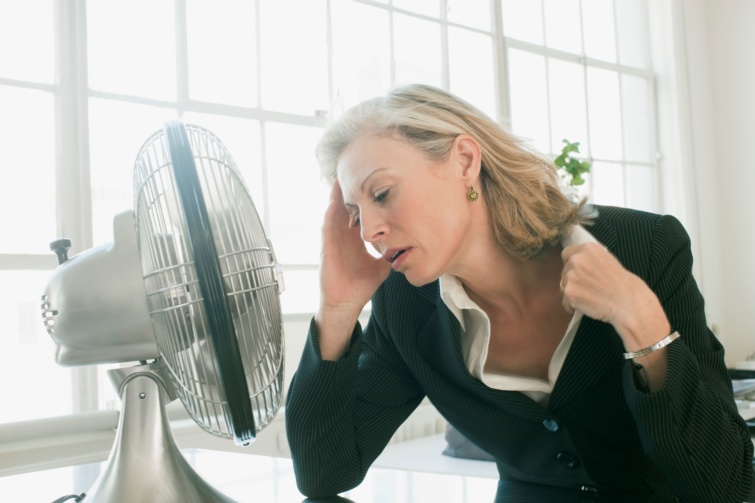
column 61, row 247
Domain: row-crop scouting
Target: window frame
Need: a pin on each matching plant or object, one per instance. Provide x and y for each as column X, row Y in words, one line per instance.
column 72, row 94
column 586, row 63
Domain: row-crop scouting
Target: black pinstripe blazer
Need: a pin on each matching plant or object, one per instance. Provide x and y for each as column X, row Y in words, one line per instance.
column 685, row 441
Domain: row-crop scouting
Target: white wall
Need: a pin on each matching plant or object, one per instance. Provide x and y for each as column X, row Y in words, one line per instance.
column 720, row 65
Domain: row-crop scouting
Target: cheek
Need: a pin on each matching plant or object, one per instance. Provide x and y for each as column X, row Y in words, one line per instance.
column 452, row 213
column 434, row 210
column 442, row 229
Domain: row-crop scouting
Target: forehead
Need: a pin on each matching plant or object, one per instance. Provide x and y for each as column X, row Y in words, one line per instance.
column 370, row 152
column 373, row 158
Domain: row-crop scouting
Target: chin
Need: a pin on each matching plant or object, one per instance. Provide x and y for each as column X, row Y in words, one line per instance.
column 419, row 280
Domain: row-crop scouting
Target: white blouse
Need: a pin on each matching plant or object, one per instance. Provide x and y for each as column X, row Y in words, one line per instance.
column 475, row 335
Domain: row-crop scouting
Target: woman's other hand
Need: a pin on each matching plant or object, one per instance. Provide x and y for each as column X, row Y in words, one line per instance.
column 595, row 283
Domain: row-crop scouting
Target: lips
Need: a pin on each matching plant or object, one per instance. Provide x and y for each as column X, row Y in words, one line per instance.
column 393, row 254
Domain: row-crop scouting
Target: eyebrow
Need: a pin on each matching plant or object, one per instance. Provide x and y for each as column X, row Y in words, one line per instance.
column 364, row 182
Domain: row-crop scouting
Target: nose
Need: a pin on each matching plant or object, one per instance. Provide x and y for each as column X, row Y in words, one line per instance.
column 372, row 226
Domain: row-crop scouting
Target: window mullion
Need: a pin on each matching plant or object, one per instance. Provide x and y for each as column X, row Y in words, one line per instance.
column 182, row 67
column 500, row 48
column 622, row 118
column 445, row 58
column 73, row 193
column 392, row 45
column 331, row 51
column 265, row 179
column 73, row 184
column 583, row 62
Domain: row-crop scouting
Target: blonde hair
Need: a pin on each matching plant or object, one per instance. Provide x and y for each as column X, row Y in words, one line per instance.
column 528, row 211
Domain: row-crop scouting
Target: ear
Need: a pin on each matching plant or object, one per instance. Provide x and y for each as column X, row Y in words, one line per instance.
column 468, row 155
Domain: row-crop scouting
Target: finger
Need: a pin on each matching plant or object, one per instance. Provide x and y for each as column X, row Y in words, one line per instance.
column 331, row 214
column 569, row 251
column 335, row 191
column 565, row 275
column 334, row 202
column 566, row 303
column 565, row 300
column 336, row 209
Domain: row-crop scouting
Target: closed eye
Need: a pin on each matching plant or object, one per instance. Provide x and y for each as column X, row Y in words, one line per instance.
column 380, row 196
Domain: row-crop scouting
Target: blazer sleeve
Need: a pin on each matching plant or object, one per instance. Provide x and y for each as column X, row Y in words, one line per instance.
column 690, row 427
column 340, row 415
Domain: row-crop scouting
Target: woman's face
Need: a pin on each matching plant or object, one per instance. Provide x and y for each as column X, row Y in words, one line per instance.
column 412, row 210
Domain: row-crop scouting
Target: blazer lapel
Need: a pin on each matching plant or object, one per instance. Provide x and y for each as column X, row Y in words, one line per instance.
column 439, row 345
column 596, row 346
column 595, row 349
column 438, row 342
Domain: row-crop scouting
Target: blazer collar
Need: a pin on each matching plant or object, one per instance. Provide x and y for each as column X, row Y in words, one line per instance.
column 438, row 343
column 590, row 356
column 596, row 347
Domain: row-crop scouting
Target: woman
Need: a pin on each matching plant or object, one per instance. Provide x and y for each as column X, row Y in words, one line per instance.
column 568, row 341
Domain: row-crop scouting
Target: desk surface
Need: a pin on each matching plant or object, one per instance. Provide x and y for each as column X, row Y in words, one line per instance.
column 252, row 478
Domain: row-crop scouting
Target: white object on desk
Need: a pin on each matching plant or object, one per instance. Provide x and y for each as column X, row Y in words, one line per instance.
column 747, row 413
column 425, row 454
column 745, row 365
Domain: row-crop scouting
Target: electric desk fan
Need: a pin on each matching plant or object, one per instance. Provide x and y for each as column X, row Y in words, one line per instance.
column 190, row 282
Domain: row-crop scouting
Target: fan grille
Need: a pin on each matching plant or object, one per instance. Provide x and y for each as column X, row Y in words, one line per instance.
column 174, row 297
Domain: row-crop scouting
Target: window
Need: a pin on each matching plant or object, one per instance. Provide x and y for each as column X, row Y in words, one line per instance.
column 581, row 70
column 28, row 201
column 78, row 104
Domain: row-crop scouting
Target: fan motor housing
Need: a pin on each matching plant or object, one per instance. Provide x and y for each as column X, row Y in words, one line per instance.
column 94, row 306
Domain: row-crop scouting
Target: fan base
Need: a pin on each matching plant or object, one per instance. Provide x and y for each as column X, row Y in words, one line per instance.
column 145, row 465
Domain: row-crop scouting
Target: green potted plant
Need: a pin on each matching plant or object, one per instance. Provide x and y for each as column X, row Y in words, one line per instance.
column 571, row 168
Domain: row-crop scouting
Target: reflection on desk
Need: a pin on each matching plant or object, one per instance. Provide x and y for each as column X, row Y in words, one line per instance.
column 263, row 479
column 253, row 478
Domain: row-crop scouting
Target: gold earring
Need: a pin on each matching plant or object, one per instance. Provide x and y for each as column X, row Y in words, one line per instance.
column 472, row 195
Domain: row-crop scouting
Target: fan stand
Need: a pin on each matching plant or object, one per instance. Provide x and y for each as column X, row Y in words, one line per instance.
column 145, row 465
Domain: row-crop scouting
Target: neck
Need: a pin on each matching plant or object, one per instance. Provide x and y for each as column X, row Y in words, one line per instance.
column 495, row 279
column 506, row 281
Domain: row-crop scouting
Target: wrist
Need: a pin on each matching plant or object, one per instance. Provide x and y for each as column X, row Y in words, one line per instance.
column 335, row 328
column 657, row 346
column 644, row 335
column 337, row 316
column 644, row 326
